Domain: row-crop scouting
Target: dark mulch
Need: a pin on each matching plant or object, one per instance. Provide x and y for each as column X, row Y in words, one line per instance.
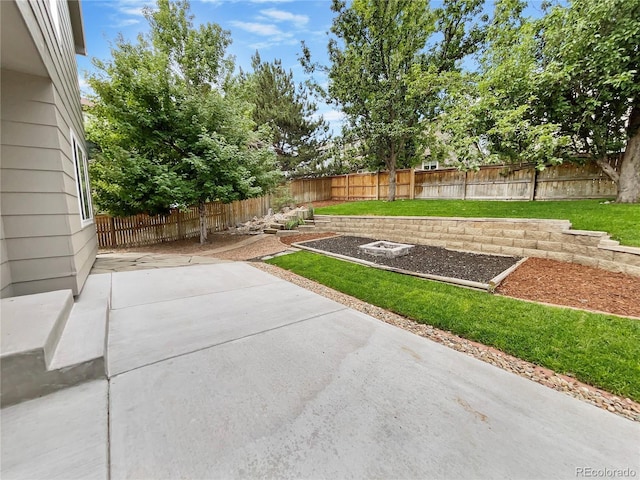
column 424, row 259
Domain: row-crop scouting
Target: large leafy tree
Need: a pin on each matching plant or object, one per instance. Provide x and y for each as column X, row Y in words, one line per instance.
column 166, row 133
column 590, row 82
column 564, row 84
column 375, row 45
column 490, row 116
column 289, row 113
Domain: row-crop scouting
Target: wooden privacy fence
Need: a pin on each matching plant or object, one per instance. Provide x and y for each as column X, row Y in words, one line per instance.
column 495, row 182
column 142, row 229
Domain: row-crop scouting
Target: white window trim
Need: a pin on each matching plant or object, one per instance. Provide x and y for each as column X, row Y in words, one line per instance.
column 75, row 145
column 430, row 163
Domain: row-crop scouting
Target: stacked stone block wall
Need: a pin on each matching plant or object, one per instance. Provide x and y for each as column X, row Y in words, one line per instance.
column 552, row 239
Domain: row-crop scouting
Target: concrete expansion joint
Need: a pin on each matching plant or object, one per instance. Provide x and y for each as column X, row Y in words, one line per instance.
column 199, row 295
column 209, row 347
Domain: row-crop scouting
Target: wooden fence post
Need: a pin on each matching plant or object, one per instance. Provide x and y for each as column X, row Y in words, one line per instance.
column 378, row 185
column 347, row 187
column 112, row 231
column 412, row 184
column 464, row 186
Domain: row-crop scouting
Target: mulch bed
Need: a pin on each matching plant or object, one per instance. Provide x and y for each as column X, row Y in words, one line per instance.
column 573, row 285
column 424, row 259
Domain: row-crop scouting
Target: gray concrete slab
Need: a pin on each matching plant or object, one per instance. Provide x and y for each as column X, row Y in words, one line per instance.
column 83, row 338
column 29, row 322
column 345, row 396
column 149, row 286
column 144, row 334
column 60, row 436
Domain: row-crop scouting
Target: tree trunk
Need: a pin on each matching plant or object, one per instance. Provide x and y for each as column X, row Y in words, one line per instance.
column 392, row 174
column 203, row 223
column 629, row 180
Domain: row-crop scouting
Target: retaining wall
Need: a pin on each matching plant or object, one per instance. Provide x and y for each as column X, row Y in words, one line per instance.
column 552, row 239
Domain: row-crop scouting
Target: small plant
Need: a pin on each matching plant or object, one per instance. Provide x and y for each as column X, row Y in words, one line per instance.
column 310, row 211
column 292, row 224
column 282, row 198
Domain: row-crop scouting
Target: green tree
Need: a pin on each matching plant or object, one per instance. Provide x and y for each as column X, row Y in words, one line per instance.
column 590, row 83
column 490, row 116
column 376, row 44
column 298, row 134
column 567, row 83
column 165, row 132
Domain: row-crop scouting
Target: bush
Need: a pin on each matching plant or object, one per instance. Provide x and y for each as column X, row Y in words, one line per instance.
column 282, row 198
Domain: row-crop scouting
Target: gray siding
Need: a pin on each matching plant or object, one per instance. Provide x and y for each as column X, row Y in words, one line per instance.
column 47, row 245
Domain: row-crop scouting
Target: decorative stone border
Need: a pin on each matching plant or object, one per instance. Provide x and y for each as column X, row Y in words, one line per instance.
column 553, row 239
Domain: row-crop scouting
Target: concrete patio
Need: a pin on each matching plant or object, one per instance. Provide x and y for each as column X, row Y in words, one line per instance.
column 223, row 371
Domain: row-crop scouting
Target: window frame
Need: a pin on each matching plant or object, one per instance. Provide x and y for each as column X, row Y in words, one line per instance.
column 81, row 171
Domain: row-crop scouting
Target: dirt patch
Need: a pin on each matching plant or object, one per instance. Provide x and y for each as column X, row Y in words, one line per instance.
column 573, row 285
column 189, row 246
column 424, row 259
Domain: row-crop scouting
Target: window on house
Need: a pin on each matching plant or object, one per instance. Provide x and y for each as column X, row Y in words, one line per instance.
column 430, row 165
column 82, row 180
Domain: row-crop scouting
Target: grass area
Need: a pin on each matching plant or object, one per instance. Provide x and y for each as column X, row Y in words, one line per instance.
column 622, row 221
column 601, row 350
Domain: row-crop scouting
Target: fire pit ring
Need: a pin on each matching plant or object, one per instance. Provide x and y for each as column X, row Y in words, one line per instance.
column 386, row 249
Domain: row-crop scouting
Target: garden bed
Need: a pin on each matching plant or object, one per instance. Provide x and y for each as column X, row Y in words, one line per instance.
column 422, row 259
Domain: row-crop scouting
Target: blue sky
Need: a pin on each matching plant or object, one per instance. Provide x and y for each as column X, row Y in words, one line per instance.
column 274, row 27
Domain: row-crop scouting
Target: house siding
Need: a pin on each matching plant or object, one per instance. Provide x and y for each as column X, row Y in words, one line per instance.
column 47, row 245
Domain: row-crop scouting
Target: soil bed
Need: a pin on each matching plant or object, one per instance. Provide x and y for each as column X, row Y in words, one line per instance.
column 424, row 259
column 573, row 285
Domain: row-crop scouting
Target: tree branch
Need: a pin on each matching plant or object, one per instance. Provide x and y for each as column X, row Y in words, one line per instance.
column 606, row 167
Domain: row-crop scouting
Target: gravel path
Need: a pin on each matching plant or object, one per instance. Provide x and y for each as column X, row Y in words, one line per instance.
column 621, row 406
column 424, row 259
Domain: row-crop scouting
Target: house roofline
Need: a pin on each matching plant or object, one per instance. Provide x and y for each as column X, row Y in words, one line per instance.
column 77, row 26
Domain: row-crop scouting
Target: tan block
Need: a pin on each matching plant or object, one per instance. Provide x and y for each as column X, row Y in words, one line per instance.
column 632, row 270
column 575, row 249
column 456, row 230
column 482, row 239
column 425, row 228
column 474, row 247
column 549, row 246
column 525, row 243
column 513, row 233
column 490, row 248
column 600, row 253
column 586, row 240
column 512, row 251
column 559, row 237
column 560, row 256
column 611, row 266
column 584, row 260
column 627, row 258
column 449, row 223
column 505, row 242
column 536, row 235
column 440, row 229
column 437, row 243
column 533, row 252
column 476, row 232
column 492, row 232
column 458, row 245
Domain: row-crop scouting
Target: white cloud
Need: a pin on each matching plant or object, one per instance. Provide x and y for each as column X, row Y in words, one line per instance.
column 284, row 16
column 270, row 1
column 125, row 22
column 263, row 29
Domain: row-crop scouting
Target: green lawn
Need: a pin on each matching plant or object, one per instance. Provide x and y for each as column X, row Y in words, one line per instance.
column 622, row 221
column 601, row 350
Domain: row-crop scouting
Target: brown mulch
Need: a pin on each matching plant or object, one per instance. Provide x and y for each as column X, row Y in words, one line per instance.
column 303, row 237
column 573, row 285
